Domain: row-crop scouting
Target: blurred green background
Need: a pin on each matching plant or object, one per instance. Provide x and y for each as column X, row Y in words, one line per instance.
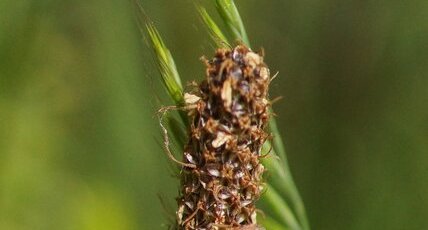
column 79, row 139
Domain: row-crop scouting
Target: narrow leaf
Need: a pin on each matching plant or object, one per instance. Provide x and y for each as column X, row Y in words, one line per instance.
column 167, row 69
column 270, row 223
column 281, row 179
column 230, row 15
column 215, row 32
column 280, row 209
column 166, row 65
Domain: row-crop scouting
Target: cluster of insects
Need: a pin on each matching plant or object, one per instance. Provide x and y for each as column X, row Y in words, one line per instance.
column 221, row 176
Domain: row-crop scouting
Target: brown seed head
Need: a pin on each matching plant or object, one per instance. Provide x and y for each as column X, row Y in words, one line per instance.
column 229, row 113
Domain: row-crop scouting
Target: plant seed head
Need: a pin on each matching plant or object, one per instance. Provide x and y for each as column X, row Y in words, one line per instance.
column 228, row 113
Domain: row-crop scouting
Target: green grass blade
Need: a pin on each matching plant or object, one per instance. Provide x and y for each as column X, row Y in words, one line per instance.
column 279, row 208
column 166, row 65
column 278, row 144
column 230, row 15
column 164, row 60
column 271, row 224
column 281, row 179
column 297, row 201
column 215, row 32
column 167, row 69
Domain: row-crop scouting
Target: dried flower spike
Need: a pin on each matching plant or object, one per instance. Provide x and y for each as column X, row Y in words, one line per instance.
column 229, row 113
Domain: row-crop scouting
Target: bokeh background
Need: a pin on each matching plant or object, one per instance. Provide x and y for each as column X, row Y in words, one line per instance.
column 80, row 143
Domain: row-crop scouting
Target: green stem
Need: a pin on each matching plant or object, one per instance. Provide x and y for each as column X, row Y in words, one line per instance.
column 230, row 15
column 278, row 144
column 280, row 209
column 271, row 224
column 281, row 179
